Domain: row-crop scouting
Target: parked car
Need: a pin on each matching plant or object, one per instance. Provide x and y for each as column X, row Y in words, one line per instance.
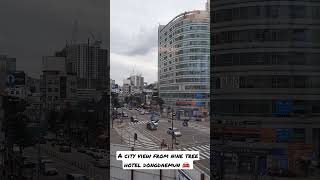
column 101, row 164
column 142, row 112
column 43, row 141
column 72, row 176
column 174, row 131
column 66, row 149
column 43, row 164
column 125, row 115
column 49, row 170
column 29, row 164
column 81, row 150
column 133, row 119
column 97, row 155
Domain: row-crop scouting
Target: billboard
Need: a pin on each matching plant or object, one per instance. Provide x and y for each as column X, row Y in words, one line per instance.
column 283, row 107
column 283, row 134
column 16, row 79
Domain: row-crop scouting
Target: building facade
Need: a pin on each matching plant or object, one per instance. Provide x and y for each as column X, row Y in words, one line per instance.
column 265, row 85
column 183, row 61
column 57, row 88
column 89, row 61
column 7, row 64
column 137, row 81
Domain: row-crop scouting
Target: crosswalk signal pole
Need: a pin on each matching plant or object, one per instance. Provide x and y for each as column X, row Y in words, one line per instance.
column 135, row 138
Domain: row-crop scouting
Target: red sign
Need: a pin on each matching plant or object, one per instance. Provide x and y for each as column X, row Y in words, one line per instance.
column 185, row 165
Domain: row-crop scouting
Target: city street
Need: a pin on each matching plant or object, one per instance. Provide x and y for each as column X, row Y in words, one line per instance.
column 195, row 136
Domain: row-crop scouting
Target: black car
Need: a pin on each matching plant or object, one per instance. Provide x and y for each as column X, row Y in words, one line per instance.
column 133, row 119
column 65, row 149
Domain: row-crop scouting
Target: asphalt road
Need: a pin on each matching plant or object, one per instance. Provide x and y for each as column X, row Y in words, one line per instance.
column 195, row 137
column 62, row 167
column 80, row 161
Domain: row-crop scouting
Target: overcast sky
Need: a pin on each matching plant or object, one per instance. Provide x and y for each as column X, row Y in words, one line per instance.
column 35, row 28
column 134, row 27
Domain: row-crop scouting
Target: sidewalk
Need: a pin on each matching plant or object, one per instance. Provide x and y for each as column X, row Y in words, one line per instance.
column 114, row 137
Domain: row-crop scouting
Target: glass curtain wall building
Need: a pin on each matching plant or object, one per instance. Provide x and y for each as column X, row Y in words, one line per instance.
column 183, row 62
column 265, row 80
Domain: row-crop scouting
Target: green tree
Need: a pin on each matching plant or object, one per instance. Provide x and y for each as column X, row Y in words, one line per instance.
column 115, row 100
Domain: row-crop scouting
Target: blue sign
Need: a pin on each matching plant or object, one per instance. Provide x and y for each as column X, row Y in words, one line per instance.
column 199, row 104
column 283, row 134
column 283, row 107
column 198, row 95
column 11, row 80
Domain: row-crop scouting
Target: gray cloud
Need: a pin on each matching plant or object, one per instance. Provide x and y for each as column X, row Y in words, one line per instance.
column 35, row 28
column 134, row 33
column 133, row 44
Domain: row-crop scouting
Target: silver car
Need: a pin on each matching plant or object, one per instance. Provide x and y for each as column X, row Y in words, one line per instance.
column 174, row 131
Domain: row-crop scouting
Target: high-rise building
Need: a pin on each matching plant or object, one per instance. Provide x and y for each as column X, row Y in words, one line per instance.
column 183, row 61
column 7, row 64
column 137, row 81
column 89, row 62
column 126, row 89
column 265, row 98
column 57, row 87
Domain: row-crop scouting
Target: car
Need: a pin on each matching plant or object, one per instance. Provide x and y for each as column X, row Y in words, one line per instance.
column 65, row 149
column 142, row 112
column 97, row 155
column 81, row 150
column 50, row 171
column 43, row 141
column 101, row 164
column 147, row 112
column 152, row 125
column 29, row 164
column 43, row 164
column 102, row 151
column 73, row 176
column 46, row 161
column 174, row 131
column 89, row 152
column 125, row 115
column 133, row 119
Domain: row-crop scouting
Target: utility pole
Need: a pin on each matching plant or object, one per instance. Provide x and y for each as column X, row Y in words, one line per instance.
column 39, row 160
column 172, row 132
column 132, row 148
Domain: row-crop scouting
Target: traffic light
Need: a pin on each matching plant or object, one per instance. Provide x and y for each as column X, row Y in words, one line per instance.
column 135, row 136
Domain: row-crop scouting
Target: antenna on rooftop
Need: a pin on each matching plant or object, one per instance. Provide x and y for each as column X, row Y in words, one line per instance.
column 75, row 30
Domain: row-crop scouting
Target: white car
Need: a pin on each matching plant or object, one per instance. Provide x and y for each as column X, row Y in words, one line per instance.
column 175, row 132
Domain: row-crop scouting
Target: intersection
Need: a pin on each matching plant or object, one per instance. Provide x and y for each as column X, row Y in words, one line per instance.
column 195, row 136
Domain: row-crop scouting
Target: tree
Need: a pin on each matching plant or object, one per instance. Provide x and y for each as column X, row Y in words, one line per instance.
column 159, row 101
column 115, row 100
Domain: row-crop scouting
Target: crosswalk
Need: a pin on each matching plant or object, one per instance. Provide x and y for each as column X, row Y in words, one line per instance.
column 204, row 150
column 138, row 123
column 144, row 142
column 201, row 128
